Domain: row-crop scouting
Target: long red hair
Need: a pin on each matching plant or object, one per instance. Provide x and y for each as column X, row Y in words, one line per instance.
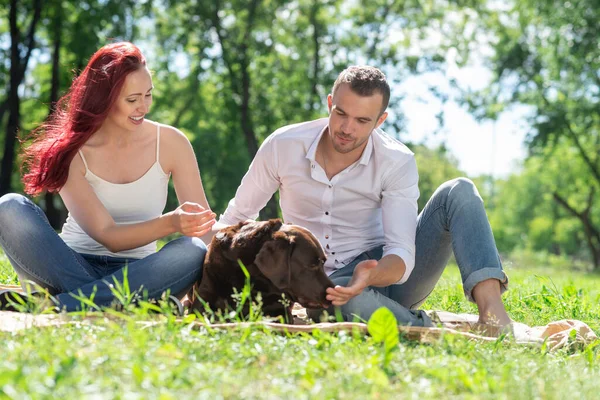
column 79, row 114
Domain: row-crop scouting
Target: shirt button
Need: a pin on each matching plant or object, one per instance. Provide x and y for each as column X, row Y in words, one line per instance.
column 312, row 166
column 326, row 236
column 327, row 245
column 330, row 186
column 333, row 253
column 326, row 212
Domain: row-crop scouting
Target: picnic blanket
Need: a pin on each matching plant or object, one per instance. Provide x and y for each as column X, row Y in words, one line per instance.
column 556, row 334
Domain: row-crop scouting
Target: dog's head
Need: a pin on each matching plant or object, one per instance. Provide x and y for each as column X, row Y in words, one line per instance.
column 292, row 259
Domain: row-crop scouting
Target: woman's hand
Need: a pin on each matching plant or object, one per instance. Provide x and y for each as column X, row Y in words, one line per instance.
column 191, row 219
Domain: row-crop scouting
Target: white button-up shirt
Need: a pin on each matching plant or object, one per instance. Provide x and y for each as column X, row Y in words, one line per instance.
column 371, row 203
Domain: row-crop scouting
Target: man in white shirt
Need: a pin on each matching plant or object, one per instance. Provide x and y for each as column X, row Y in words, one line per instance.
column 356, row 189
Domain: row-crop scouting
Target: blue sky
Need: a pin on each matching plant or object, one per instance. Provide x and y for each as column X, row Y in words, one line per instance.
column 487, row 147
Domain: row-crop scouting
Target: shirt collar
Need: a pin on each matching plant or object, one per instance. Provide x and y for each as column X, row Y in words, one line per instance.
column 311, row 154
column 366, row 155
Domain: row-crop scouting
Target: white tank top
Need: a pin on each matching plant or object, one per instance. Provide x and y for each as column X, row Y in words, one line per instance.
column 128, row 203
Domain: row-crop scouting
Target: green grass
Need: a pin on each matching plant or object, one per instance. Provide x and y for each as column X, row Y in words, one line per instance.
column 114, row 357
column 7, row 273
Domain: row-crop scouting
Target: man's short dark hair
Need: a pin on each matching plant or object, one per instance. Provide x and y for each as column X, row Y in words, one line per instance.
column 364, row 81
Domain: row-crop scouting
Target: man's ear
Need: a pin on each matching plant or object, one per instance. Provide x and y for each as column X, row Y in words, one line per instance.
column 329, row 102
column 273, row 260
column 380, row 120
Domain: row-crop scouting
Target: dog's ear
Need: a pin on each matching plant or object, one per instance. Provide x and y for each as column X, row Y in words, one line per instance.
column 254, row 231
column 268, row 227
column 243, row 235
column 273, row 259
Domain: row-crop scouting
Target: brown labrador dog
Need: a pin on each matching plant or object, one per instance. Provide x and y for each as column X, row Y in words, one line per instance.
column 281, row 260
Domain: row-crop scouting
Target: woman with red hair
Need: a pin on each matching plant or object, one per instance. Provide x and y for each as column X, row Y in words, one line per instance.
column 111, row 167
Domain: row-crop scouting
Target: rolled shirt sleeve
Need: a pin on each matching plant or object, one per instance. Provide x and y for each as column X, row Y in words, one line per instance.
column 399, row 213
column 256, row 188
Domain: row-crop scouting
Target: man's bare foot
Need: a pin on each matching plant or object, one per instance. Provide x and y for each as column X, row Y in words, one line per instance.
column 487, row 295
column 494, row 317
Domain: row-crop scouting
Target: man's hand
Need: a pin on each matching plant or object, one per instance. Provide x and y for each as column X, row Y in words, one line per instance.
column 361, row 278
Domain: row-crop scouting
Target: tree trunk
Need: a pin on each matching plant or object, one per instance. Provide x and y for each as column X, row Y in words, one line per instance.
column 240, row 83
column 271, row 208
column 3, row 108
column 18, row 67
column 314, row 79
column 592, row 234
column 13, row 103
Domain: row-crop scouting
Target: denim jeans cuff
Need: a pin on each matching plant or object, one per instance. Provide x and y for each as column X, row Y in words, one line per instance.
column 482, row 275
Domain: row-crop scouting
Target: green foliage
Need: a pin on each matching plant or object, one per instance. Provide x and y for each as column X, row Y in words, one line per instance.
column 8, row 276
column 383, row 327
column 540, row 233
column 243, row 299
column 436, row 166
column 526, row 214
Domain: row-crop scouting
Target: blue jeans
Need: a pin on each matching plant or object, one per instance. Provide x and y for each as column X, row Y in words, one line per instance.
column 454, row 219
column 38, row 254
